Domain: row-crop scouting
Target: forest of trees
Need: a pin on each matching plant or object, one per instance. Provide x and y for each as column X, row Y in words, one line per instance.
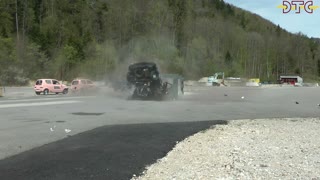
column 98, row 39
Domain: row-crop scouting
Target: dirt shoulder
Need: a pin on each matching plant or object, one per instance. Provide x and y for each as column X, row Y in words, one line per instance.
column 246, row 149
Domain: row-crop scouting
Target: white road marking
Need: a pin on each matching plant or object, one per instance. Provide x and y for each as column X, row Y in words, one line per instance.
column 36, row 104
column 189, row 93
column 45, row 99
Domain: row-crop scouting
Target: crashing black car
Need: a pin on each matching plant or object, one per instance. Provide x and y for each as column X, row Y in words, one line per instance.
column 146, row 81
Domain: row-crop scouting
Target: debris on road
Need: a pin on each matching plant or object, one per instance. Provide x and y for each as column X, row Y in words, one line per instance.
column 52, row 128
column 67, row 130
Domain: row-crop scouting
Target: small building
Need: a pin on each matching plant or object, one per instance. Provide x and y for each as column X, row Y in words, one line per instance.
column 294, row 80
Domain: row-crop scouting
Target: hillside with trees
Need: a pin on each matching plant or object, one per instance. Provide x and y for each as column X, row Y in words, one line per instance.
column 100, row 38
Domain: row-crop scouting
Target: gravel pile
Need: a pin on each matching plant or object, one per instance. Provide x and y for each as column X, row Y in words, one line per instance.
column 245, row 149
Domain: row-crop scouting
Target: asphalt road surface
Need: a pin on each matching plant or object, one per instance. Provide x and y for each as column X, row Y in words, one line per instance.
column 110, row 152
column 28, row 121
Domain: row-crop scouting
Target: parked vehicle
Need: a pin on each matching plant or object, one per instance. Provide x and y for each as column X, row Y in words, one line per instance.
column 47, row 86
column 82, row 86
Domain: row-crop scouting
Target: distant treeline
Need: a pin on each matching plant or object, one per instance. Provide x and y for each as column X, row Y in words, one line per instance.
column 100, row 38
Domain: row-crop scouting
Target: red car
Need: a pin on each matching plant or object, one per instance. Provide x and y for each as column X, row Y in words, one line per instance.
column 47, row 86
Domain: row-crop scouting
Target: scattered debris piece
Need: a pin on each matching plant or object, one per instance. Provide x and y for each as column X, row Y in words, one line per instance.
column 67, row 130
column 52, row 129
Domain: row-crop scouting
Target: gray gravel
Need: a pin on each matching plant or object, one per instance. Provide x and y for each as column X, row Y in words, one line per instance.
column 245, row 149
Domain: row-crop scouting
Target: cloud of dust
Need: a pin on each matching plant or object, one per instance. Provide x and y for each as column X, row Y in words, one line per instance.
column 158, row 49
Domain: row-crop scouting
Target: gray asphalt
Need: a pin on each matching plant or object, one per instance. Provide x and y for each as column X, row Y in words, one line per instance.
column 113, row 152
column 28, row 126
column 28, row 121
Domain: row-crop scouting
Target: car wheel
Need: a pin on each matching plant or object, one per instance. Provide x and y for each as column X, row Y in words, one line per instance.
column 37, row 93
column 65, row 91
column 46, row 92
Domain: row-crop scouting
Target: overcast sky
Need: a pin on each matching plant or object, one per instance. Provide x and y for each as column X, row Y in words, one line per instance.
column 308, row 24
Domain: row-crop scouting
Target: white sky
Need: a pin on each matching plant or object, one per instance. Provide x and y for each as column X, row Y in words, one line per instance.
column 308, row 24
